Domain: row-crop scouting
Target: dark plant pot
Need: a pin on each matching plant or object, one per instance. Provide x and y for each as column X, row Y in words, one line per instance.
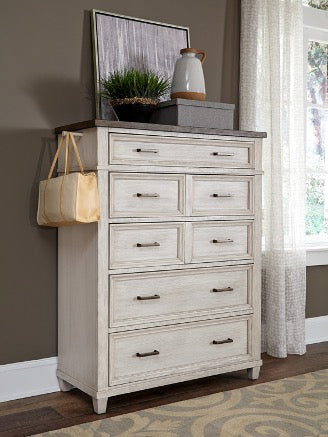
column 137, row 112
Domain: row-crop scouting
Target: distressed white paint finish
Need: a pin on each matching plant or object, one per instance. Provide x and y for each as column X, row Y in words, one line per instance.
column 134, row 245
column 257, row 255
column 118, row 271
column 90, row 149
column 163, row 150
column 162, row 169
column 214, row 241
column 219, row 195
column 186, row 317
column 83, row 294
column 227, row 139
column 77, row 302
column 100, row 405
column 150, row 297
column 97, row 154
column 163, row 219
column 253, row 373
column 146, row 195
column 38, row 377
column 95, row 317
column 102, row 281
column 179, row 348
column 213, row 369
column 64, row 385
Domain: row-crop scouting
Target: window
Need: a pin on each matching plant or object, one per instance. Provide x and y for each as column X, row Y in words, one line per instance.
column 316, row 83
column 318, row 4
column 317, row 142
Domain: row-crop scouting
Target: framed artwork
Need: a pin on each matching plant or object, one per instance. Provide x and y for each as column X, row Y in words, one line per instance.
column 121, row 42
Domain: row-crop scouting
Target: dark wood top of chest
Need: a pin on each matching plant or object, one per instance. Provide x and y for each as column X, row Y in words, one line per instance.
column 157, row 127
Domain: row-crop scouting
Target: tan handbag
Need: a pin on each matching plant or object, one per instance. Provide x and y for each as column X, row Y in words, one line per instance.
column 71, row 198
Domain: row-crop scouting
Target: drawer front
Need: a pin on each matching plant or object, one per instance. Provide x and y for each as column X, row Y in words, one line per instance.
column 220, row 195
column 168, row 151
column 145, row 354
column 146, row 297
column 146, row 245
column 142, row 195
column 219, row 241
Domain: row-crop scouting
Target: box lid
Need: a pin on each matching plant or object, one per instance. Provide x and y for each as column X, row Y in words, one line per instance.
column 198, row 103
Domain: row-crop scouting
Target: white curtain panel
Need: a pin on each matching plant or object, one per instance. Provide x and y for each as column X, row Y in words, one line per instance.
column 272, row 100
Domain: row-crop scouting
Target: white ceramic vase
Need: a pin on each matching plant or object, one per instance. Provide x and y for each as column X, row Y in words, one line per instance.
column 188, row 77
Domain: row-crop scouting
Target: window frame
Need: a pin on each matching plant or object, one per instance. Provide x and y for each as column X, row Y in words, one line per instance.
column 315, row 27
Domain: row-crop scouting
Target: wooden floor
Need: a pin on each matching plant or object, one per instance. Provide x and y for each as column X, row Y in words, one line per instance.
column 38, row 414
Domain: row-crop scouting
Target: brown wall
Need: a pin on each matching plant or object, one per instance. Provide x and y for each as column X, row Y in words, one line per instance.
column 317, row 291
column 46, row 81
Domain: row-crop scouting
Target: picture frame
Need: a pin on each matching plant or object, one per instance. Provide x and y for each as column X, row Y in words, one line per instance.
column 121, row 42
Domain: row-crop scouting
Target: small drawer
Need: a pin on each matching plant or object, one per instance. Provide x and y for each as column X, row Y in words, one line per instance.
column 133, row 245
column 169, row 151
column 220, row 195
column 146, row 195
column 152, row 297
column 219, row 241
column 146, row 354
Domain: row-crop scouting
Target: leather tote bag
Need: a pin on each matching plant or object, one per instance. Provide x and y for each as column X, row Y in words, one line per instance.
column 71, row 198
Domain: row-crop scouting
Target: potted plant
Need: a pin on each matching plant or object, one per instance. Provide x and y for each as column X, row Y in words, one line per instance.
column 134, row 93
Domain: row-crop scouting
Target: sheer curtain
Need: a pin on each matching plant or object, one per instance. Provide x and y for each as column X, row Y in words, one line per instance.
column 272, row 100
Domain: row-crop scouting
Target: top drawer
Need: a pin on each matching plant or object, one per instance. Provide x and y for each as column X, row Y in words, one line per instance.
column 168, row 151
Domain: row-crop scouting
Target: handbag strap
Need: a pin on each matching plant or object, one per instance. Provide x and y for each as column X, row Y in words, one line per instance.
column 56, row 157
column 69, row 137
column 76, row 152
column 66, row 170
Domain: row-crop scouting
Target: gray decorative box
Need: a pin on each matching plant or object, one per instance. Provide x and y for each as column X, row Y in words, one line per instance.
column 195, row 113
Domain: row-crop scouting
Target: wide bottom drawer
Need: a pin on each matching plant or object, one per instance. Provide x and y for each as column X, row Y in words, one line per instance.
column 149, row 353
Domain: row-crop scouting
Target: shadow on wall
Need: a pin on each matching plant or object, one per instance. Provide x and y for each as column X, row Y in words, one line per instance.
column 28, row 322
column 231, row 46
column 30, row 153
column 86, row 67
column 28, row 263
column 58, row 99
column 47, row 153
column 61, row 99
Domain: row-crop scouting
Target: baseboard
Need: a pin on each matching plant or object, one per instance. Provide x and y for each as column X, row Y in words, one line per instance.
column 316, row 330
column 29, row 378
column 32, row 378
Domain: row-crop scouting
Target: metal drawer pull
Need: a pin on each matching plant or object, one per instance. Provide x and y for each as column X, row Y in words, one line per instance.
column 222, row 154
column 228, row 340
column 221, row 290
column 228, row 240
column 155, row 296
column 155, row 244
column 221, row 195
column 147, row 150
column 147, row 354
column 147, row 195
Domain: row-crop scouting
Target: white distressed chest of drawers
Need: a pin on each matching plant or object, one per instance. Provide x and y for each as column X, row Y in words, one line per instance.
column 166, row 287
